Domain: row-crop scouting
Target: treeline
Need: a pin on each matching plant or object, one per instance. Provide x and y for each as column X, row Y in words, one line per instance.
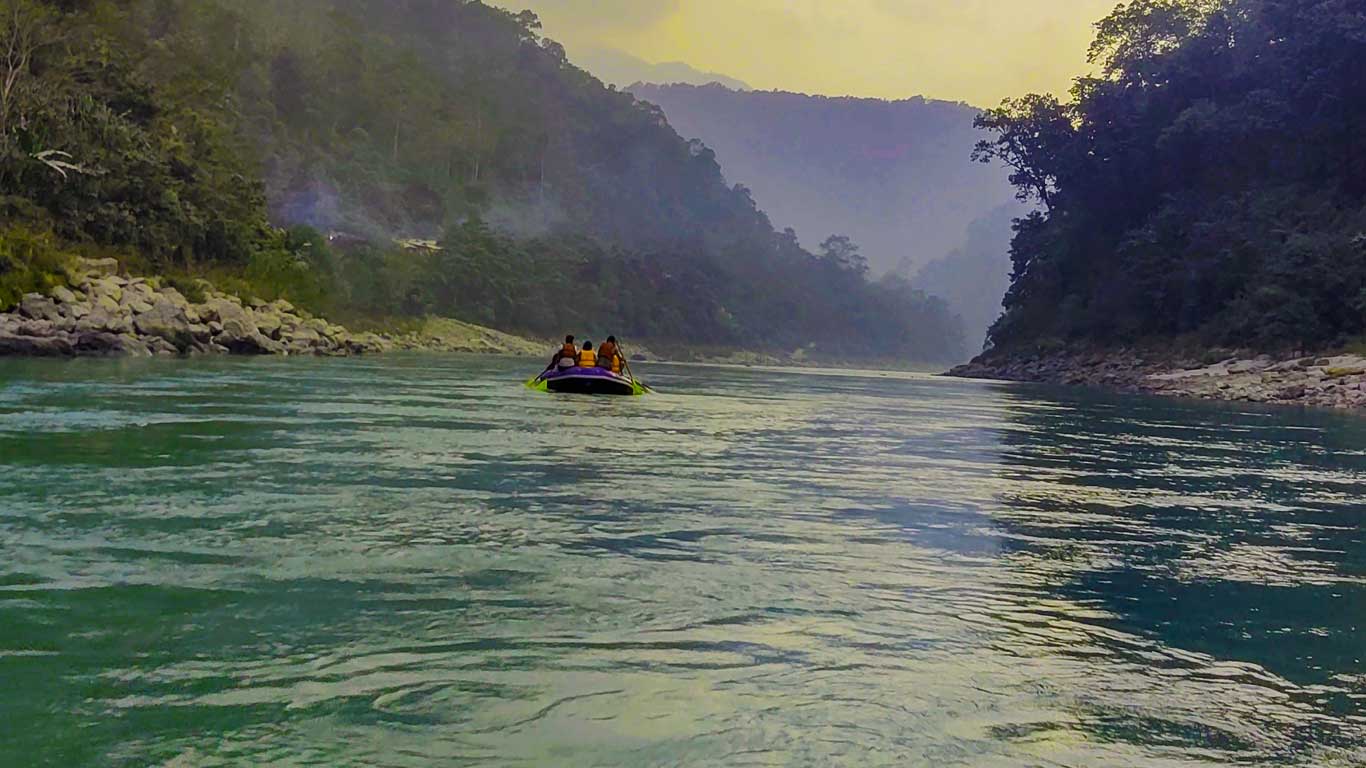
column 244, row 139
column 1209, row 182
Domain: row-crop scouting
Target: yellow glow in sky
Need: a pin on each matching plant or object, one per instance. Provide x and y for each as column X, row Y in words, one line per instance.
column 979, row 51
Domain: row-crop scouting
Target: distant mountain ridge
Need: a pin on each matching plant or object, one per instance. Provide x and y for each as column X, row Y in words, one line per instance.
column 623, row 70
column 895, row 176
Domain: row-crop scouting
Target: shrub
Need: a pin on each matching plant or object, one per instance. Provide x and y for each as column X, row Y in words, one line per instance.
column 30, row 262
column 191, row 288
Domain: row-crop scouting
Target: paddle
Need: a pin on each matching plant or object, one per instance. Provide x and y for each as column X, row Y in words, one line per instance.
column 626, row 366
column 535, row 383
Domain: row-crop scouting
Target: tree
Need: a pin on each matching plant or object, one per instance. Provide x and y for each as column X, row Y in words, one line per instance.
column 1210, row 181
column 26, row 26
column 1035, row 139
column 843, row 253
column 1135, row 42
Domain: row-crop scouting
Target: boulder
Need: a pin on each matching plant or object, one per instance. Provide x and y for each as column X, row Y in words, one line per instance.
column 133, row 346
column 106, row 288
column 240, row 336
column 44, row 327
column 140, row 307
column 35, row 346
column 268, row 323
column 98, row 343
column 76, row 310
column 39, row 307
column 167, row 322
column 305, row 336
column 161, row 347
column 1292, row 392
column 63, row 295
column 222, row 310
column 1289, row 366
column 236, row 328
column 1344, row 372
column 175, row 297
column 100, row 267
column 137, row 293
column 370, row 342
column 101, row 318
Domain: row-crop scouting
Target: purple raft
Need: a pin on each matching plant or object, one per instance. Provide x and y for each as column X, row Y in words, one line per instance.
column 587, row 381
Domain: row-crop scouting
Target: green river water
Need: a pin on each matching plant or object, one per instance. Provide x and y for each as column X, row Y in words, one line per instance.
column 414, row 561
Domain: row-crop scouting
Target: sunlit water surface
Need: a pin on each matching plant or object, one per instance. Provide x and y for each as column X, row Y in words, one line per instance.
column 410, row 561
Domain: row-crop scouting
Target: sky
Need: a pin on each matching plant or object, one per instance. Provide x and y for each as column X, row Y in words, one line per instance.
column 978, row 51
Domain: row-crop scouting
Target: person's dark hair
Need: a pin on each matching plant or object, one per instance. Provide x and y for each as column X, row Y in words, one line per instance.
column 569, row 339
column 587, row 345
column 612, row 339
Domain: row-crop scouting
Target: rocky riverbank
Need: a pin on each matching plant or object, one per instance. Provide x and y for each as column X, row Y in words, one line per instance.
column 102, row 312
column 1334, row 381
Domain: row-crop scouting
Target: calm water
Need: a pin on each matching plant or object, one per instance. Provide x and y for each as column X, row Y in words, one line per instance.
column 414, row 561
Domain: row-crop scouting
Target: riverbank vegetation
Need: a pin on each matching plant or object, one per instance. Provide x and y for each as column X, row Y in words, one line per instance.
column 401, row 159
column 1209, row 182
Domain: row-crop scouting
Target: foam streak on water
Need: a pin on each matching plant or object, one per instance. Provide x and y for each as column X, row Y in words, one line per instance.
column 415, row 561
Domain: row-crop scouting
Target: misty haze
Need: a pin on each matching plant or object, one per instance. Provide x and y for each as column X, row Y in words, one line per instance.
column 659, row 383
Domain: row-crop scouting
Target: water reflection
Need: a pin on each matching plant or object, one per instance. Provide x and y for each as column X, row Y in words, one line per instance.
column 1222, row 550
column 413, row 560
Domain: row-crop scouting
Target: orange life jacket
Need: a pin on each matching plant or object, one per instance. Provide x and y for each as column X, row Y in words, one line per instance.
column 610, row 356
column 588, row 359
column 569, row 350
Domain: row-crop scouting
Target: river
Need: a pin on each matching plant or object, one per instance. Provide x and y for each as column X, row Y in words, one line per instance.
column 413, row 560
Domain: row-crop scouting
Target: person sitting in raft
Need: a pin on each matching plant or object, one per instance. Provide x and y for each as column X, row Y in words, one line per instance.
column 609, row 355
column 587, row 357
column 567, row 356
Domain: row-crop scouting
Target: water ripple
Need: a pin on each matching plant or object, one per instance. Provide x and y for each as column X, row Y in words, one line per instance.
column 412, row 561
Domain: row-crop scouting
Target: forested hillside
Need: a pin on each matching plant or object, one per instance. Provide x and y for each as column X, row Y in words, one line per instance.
column 1208, row 182
column 890, row 175
column 284, row 145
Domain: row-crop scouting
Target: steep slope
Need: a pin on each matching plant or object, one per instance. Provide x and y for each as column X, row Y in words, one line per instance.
column 894, row 176
column 180, row 134
column 1207, row 185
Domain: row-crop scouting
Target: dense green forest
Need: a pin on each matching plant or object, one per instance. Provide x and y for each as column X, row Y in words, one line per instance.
column 283, row 147
column 1208, row 182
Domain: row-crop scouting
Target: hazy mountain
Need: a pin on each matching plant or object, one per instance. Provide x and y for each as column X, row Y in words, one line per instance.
column 895, row 176
column 622, row 69
column 974, row 277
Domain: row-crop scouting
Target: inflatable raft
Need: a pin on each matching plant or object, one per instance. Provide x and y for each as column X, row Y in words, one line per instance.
column 587, row 381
